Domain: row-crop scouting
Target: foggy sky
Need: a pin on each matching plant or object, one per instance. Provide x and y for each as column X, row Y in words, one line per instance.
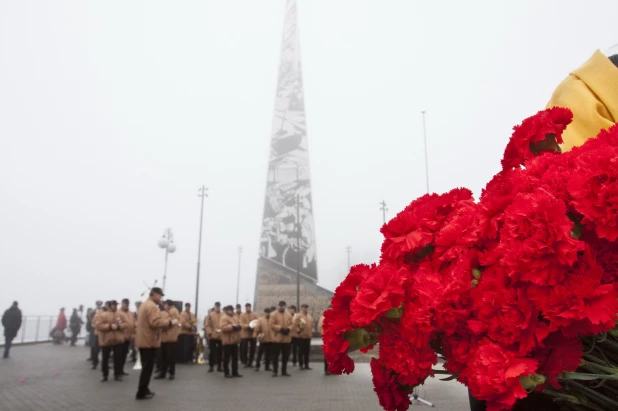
column 113, row 113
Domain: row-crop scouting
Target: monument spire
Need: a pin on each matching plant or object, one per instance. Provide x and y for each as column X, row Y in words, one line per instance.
column 287, row 246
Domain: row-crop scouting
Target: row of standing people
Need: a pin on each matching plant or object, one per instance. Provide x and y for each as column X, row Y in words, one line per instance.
column 155, row 330
column 281, row 331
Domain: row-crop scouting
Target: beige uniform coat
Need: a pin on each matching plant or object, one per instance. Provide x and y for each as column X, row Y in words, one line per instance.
column 170, row 335
column 245, row 319
column 263, row 328
column 129, row 331
column 294, row 330
column 306, row 332
column 321, row 325
column 150, row 322
column 189, row 323
column 211, row 325
column 103, row 323
column 228, row 335
column 278, row 321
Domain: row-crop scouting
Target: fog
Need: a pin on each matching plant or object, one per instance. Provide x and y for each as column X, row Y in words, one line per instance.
column 113, row 113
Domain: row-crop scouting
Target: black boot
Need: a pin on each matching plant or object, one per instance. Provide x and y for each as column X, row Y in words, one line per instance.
column 159, row 376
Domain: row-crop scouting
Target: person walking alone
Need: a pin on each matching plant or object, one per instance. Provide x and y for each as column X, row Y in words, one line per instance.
column 11, row 321
column 75, row 323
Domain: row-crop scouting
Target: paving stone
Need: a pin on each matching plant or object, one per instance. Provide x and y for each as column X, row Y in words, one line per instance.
column 60, row 378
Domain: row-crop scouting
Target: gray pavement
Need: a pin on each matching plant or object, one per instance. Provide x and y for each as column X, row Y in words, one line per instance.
column 46, row 377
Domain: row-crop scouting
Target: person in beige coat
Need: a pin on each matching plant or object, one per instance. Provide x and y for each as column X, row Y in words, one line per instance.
column 303, row 323
column 230, row 337
column 281, row 325
column 150, row 322
column 213, row 334
column 186, row 339
column 110, row 326
column 264, row 335
column 129, row 332
column 294, row 334
column 169, row 337
column 247, row 340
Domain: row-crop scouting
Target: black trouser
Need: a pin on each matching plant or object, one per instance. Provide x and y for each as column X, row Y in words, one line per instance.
column 284, row 349
column 74, row 335
column 94, row 349
column 168, row 358
column 184, row 346
column 8, row 342
column 147, row 356
column 295, row 350
column 214, row 353
column 247, row 350
column 265, row 349
column 133, row 351
column 125, row 353
column 325, row 366
column 106, row 351
column 230, row 352
column 303, row 351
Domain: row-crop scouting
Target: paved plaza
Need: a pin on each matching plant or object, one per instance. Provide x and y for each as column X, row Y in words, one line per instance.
column 46, row 377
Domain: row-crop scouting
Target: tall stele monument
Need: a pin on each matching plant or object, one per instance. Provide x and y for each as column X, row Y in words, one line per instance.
column 287, row 243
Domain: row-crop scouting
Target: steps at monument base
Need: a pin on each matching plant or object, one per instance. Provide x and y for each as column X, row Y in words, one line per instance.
column 317, row 355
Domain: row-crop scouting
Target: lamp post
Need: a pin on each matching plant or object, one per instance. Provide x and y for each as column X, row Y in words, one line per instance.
column 238, row 278
column 384, row 210
column 167, row 242
column 349, row 251
column 201, row 193
column 426, row 158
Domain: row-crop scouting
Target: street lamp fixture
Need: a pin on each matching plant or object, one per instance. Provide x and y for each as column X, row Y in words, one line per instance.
column 166, row 242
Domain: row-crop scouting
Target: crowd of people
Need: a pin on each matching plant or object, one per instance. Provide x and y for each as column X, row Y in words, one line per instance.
column 233, row 335
column 159, row 336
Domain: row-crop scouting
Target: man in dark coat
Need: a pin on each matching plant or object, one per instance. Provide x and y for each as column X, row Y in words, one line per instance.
column 75, row 323
column 11, row 321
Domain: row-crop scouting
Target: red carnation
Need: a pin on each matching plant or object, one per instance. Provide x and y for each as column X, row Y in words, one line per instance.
column 411, row 364
column 538, row 134
column 594, row 189
column 496, row 196
column 559, row 355
column 413, row 229
column 506, row 314
column 347, row 290
column 535, row 242
column 380, row 291
column 493, row 374
column 391, row 394
column 580, row 305
column 458, row 349
column 336, row 324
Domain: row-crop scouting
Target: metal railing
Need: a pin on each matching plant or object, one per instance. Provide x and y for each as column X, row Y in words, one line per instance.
column 34, row 328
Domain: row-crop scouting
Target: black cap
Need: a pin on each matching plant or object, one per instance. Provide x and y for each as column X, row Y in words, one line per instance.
column 293, row 307
column 281, row 303
column 248, row 305
column 228, row 307
column 125, row 301
column 187, row 304
column 273, row 308
column 157, row 290
column 238, row 305
column 304, row 306
column 217, row 304
column 267, row 310
column 169, row 302
column 112, row 302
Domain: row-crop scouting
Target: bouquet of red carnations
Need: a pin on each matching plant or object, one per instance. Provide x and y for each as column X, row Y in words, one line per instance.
column 516, row 293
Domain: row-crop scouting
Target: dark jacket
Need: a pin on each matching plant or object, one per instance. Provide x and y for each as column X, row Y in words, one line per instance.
column 75, row 322
column 11, row 321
